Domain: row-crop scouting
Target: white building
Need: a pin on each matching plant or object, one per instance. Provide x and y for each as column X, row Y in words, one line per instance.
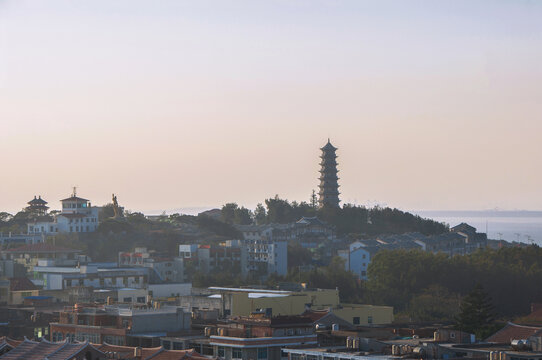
column 356, row 260
column 61, row 278
column 77, row 215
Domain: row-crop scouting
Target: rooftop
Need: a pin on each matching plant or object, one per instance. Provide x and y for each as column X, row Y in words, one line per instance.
column 40, row 248
column 514, row 332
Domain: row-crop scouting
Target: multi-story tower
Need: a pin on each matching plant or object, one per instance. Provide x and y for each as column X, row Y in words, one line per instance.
column 37, row 206
column 329, row 187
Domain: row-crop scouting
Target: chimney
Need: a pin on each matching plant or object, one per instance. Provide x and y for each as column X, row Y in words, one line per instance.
column 137, row 352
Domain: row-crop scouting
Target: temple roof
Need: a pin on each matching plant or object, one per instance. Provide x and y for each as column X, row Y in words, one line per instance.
column 37, row 201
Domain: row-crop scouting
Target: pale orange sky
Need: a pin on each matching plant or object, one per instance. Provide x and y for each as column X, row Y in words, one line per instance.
column 172, row 104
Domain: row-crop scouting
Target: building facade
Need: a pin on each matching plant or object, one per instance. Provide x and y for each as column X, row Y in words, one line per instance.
column 77, row 216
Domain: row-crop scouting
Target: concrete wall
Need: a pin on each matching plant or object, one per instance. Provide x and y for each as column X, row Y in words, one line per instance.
column 367, row 314
column 160, row 321
column 170, row 290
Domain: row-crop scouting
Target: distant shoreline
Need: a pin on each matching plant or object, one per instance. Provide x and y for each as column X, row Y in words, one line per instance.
column 479, row 213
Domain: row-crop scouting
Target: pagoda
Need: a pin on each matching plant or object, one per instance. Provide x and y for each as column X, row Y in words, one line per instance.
column 329, row 187
column 37, row 206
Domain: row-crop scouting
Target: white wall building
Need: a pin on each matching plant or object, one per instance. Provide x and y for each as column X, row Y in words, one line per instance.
column 77, row 215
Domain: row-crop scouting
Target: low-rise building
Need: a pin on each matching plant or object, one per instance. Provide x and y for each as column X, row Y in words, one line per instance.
column 167, row 268
column 119, row 325
column 243, row 302
column 31, row 254
column 62, row 278
column 77, row 215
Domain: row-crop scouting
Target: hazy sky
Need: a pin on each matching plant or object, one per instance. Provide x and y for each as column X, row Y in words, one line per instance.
column 169, row 104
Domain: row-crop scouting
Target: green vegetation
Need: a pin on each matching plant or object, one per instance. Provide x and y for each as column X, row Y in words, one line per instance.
column 429, row 286
column 350, row 219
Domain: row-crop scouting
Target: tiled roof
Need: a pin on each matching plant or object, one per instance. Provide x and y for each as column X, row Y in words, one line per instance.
column 128, row 350
column 21, row 284
column 40, row 248
column 176, row 355
column 157, row 353
column 33, row 350
column 513, row 332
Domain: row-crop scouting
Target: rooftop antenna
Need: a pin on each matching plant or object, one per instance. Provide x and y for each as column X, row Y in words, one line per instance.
column 517, row 235
column 74, row 191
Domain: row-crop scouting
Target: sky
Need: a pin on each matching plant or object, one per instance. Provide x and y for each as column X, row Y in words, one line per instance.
column 178, row 104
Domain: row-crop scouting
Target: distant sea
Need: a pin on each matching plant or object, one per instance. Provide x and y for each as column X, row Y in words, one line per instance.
column 522, row 226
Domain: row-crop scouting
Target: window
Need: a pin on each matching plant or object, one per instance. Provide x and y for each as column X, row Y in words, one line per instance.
column 236, row 353
column 370, row 319
column 355, row 320
column 262, row 353
column 221, row 351
column 127, row 299
column 140, row 299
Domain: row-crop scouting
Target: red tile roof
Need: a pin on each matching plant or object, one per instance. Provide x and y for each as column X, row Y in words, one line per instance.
column 40, row 248
column 315, row 315
column 514, row 332
column 21, row 284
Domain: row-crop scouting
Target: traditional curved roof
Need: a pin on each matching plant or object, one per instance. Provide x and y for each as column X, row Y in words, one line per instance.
column 37, row 201
column 328, row 146
column 34, row 350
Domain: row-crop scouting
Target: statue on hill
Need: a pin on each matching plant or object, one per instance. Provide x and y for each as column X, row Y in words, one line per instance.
column 116, row 208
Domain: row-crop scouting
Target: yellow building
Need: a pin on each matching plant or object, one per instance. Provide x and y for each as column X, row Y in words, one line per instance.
column 243, row 302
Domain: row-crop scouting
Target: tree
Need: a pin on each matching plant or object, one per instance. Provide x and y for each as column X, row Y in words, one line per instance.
column 228, row 213
column 298, row 256
column 107, row 211
column 5, row 217
column 314, row 200
column 260, row 215
column 477, row 312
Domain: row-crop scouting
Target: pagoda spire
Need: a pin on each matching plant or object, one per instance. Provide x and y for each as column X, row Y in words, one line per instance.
column 329, row 186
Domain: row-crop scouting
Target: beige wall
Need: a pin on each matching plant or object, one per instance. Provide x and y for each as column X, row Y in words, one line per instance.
column 16, row 297
column 294, row 304
column 379, row 314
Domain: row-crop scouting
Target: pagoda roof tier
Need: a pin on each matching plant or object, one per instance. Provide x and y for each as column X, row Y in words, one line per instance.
column 37, row 201
column 328, row 192
column 328, row 147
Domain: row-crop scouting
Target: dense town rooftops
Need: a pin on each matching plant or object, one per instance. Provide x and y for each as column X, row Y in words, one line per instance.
column 34, row 350
column 40, row 248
